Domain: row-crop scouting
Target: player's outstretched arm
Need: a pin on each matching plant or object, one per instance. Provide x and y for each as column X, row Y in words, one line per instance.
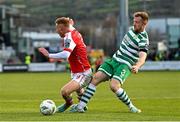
column 61, row 55
column 141, row 61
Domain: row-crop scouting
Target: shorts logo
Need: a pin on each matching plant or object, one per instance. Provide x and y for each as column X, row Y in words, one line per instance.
column 123, row 73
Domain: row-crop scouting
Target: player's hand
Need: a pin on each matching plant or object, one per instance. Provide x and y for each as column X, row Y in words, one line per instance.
column 135, row 69
column 44, row 51
column 52, row 60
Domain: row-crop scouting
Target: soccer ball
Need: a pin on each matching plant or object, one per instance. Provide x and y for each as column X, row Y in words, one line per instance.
column 47, row 107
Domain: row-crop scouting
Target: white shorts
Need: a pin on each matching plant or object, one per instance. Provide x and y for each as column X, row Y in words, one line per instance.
column 83, row 78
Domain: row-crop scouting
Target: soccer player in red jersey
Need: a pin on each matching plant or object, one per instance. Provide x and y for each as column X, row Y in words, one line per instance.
column 75, row 52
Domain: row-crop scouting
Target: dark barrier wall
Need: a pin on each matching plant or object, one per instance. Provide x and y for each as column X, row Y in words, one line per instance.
column 15, row 67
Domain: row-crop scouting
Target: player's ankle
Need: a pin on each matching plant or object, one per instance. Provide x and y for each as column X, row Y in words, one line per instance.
column 80, row 107
column 130, row 105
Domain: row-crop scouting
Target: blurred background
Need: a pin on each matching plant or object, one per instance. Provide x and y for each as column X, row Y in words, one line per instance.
column 26, row 25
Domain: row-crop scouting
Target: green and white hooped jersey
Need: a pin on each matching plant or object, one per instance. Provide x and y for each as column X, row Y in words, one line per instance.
column 132, row 43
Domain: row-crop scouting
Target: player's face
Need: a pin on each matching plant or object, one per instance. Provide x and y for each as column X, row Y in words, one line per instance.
column 138, row 24
column 61, row 29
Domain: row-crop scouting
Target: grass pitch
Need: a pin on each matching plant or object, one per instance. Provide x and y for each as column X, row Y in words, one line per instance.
column 156, row 93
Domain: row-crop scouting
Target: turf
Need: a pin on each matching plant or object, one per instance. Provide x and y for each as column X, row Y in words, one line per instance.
column 156, row 93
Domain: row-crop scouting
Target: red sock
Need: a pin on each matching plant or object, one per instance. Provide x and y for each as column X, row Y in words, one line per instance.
column 68, row 99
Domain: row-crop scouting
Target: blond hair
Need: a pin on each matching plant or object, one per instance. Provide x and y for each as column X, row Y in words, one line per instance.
column 143, row 15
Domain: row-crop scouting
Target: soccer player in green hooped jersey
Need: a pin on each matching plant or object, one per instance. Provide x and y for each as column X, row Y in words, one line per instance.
column 130, row 56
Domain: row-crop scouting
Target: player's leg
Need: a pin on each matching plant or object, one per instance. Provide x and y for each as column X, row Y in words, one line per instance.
column 121, row 73
column 122, row 95
column 79, row 80
column 83, row 78
column 80, row 93
column 89, row 92
column 66, row 94
column 103, row 74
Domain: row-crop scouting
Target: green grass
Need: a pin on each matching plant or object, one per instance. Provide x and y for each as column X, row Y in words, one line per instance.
column 156, row 93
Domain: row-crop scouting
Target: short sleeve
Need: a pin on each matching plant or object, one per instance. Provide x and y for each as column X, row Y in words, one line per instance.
column 143, row 45
column 69, row 43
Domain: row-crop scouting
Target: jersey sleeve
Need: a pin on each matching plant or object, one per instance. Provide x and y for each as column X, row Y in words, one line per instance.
column 69, row 43
column 144, row 45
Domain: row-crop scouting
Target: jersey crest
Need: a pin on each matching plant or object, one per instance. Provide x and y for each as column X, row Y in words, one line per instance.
column 67, row 43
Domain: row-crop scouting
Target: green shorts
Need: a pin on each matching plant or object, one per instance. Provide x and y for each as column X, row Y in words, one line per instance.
column 115, row 70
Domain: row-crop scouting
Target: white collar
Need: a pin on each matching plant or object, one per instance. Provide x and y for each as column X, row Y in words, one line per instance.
column 71, row 28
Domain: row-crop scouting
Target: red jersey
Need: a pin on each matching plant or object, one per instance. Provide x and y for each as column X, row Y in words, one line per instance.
column 73, row 42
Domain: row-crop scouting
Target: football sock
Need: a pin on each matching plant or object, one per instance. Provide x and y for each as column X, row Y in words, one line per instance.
column 121, row 94
column 79, row 96
column 68, row 99
column 89, row 92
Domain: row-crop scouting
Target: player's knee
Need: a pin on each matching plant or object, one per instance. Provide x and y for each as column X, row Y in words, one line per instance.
column 95, row 81
column 114, row 87
column 80, row 91
column 64, row 92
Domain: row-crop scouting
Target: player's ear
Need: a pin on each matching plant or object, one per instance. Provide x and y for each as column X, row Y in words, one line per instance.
column 71, row 21
column 145, row 22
